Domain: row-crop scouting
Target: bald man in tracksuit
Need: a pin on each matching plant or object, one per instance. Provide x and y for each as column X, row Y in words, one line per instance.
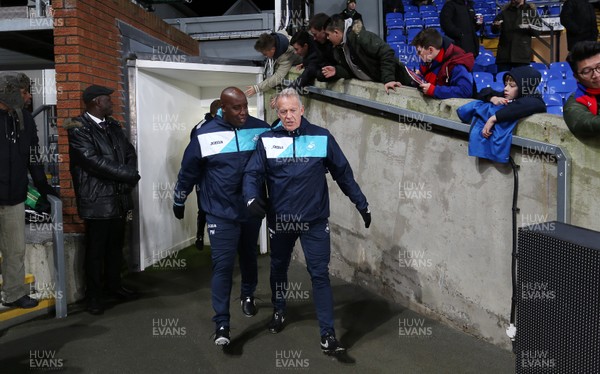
column 215, row 160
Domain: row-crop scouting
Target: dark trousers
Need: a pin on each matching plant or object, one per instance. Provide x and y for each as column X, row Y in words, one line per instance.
column 201, row 219
column 226, row 239
column 315, row 242
column 104, row 254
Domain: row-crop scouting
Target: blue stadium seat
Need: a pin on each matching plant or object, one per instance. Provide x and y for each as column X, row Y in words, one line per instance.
column 485, row 63
column 482, row 79
column 432, row 22
column 394, row 23
column 390, row 16
column 500, row 77
column 556, row 110
column 413, row 23
column 561, row 65
column 556, row 74
column 411, row 33
column 432, row 14
column 563, row 87
column 395, row 36
column 538, row 65
column 410, row 8
column 554, row 10
column 411, row 15
column 427, row 8
column 552, row 99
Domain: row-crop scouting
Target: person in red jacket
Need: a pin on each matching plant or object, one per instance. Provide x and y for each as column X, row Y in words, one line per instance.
column 445, row 67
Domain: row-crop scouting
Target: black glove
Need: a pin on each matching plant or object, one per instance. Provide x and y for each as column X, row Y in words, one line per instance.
column 257, row 207
column 366, row 216
column 48, row 190
column 178, row 211
column 135, row 180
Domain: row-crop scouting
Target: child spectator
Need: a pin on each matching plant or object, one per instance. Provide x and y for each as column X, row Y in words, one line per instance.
column 446, row 68
column 495, row 115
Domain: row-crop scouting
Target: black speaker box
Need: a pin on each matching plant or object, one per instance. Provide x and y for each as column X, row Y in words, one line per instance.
column 558, row 299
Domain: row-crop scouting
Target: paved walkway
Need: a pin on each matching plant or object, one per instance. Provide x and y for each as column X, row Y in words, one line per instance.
column 168, row 330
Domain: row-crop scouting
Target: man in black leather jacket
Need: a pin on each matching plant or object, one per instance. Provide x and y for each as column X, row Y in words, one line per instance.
column 104, row 169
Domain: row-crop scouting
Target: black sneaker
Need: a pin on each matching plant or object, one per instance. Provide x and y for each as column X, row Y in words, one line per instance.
column 222, row 336
column 330, row 345
column 248, row 306
column 24, row 302
column 276, row 323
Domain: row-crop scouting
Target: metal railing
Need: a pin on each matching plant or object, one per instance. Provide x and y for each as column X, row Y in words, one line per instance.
column 58, row 241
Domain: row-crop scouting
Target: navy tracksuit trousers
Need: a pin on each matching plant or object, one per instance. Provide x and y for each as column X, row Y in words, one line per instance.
column 315, row 241
column 228, row 238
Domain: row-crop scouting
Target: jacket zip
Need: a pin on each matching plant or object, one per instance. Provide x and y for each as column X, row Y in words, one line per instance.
column 237, row 143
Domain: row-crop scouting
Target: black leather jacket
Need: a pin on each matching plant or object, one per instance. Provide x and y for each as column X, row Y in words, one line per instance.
column 103, row 166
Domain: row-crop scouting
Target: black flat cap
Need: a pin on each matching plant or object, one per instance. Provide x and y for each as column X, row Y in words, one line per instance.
column 94, row 91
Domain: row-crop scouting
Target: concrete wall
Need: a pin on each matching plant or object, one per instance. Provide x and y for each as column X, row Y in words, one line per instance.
column 440, row 241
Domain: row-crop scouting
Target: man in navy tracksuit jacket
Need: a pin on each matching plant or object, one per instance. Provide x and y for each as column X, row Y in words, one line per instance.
column 293, row 158
column 215, row 160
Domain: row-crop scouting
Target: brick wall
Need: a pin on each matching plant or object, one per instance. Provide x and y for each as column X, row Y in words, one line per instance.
column 87, row 49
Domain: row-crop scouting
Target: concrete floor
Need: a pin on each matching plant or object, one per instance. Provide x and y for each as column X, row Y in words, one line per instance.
column 168, row 330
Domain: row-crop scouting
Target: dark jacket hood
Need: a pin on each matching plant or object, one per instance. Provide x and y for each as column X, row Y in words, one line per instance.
column 527, row 79
column 281, row 44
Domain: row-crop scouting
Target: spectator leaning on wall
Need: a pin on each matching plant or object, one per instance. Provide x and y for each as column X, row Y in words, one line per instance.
column 280, row 59
column 581, row 109
column 361, row 54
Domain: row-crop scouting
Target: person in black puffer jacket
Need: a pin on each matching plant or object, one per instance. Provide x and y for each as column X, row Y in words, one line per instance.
column 579, row 18
column 104, row 170
column 458, row 21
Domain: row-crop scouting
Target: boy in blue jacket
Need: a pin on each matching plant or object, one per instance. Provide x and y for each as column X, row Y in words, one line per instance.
column 495, row 115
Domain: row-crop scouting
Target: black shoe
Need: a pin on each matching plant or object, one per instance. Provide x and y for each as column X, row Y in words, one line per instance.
column 330, row 345
column 24, row 302
column 199, row 243
column 222, row 336
column 276, row 323
column 95, row 306
column 124, row 294
column 248, row 306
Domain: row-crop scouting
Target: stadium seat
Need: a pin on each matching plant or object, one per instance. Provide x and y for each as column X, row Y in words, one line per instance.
column 538, row 65
column 556, row 110
column 563, row 87
column 395, row 36
column 390, row 16
column 561, row 65
column 500, row 76
column 395, row 23
column 412, row 15
column 431, row 22
column 485, row 63
column 552, row 99
column 411, row 33
column 432, row 14
column 427, row 8
column 410, row 9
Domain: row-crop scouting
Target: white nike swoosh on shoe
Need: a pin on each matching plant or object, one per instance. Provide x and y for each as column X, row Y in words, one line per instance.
column 326, row 345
